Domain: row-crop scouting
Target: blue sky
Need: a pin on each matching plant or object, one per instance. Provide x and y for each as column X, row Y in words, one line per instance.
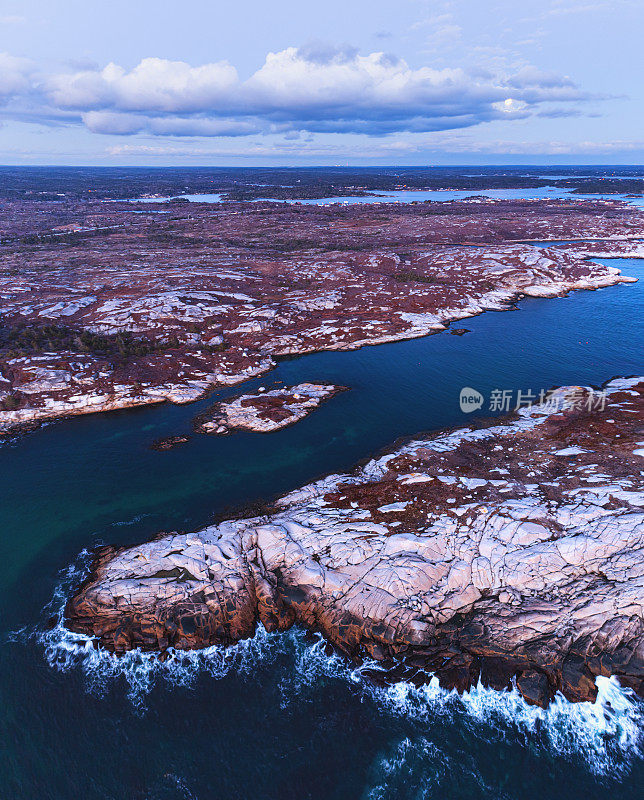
column 338, row 82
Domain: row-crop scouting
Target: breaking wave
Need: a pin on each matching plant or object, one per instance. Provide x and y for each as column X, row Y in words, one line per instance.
column 66, row 650
column 608, row 734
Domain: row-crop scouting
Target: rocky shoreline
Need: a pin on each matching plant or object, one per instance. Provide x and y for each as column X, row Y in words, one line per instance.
column 507, row 554
column 148, row 310
column 71, row 384
column 265, row 412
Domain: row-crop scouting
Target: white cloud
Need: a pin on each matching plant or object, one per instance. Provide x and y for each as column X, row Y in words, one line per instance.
column 566, row 8
column 14, row 75
column 277, row 148
column 510, row 106
column 441, row 143
column 561, row 8
column 317, row 88
column 458, row 143
column 155, row 85
column 121, row 124
column 440, row 31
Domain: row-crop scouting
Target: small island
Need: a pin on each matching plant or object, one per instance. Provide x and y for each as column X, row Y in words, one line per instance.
column 87, row 326
column 509, row 555
column 265, row 412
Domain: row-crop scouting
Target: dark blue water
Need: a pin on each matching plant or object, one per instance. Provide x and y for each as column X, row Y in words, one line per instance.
column 281, row 720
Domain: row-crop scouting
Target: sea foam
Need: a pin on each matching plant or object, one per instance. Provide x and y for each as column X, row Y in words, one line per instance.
column 608, row 733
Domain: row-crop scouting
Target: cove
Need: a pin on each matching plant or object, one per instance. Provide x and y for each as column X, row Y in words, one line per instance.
column 83, row 481
column 89, row 479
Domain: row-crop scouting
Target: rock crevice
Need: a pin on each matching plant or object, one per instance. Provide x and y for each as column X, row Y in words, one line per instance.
column 508, row 553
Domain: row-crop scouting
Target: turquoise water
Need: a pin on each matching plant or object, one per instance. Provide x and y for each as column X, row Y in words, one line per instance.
column 281, row 720
column 441, row 195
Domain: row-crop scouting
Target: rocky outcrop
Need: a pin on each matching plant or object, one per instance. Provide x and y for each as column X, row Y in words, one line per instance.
column 513, row 552
column 606, row 248
column 266, row 411
column 169, row 442
column 201, row 299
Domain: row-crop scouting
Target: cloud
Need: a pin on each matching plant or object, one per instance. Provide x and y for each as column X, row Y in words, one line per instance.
column 287, row 148
column 561, row 8
column 440, row 31
column 458, row 143
column 116, row 123
column 14, row 76
column 318, row 88
column 323, row 53
column 510, row 106
column 12, row 19
column 155, row 85
column 156, row 150
column 537, row 86
column 531, row 77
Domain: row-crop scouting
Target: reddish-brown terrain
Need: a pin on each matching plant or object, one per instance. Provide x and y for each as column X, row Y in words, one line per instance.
column 511, row 553
column 265, row 412
column 109, row 304
column 505, row 554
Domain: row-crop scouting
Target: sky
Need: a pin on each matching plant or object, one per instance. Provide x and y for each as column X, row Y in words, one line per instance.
column 341, row 82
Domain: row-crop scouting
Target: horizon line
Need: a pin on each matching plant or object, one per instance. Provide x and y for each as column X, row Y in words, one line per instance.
column 323, row 166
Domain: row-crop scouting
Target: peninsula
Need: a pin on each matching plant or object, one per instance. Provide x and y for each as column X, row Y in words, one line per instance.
column 507, row 554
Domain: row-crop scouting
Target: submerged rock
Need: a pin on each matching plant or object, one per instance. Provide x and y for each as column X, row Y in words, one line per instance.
column 471, row 554
column 169, row 442
column 267, row 411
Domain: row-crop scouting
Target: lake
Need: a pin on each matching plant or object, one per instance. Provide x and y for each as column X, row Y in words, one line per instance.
column 420, row 196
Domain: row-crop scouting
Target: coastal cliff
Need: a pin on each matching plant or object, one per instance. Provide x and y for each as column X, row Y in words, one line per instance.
column 508, row 553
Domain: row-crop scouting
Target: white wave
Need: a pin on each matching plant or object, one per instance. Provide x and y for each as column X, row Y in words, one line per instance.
column 133, row 521
column 607, row 733
column 397, row 767
column 66, row 650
